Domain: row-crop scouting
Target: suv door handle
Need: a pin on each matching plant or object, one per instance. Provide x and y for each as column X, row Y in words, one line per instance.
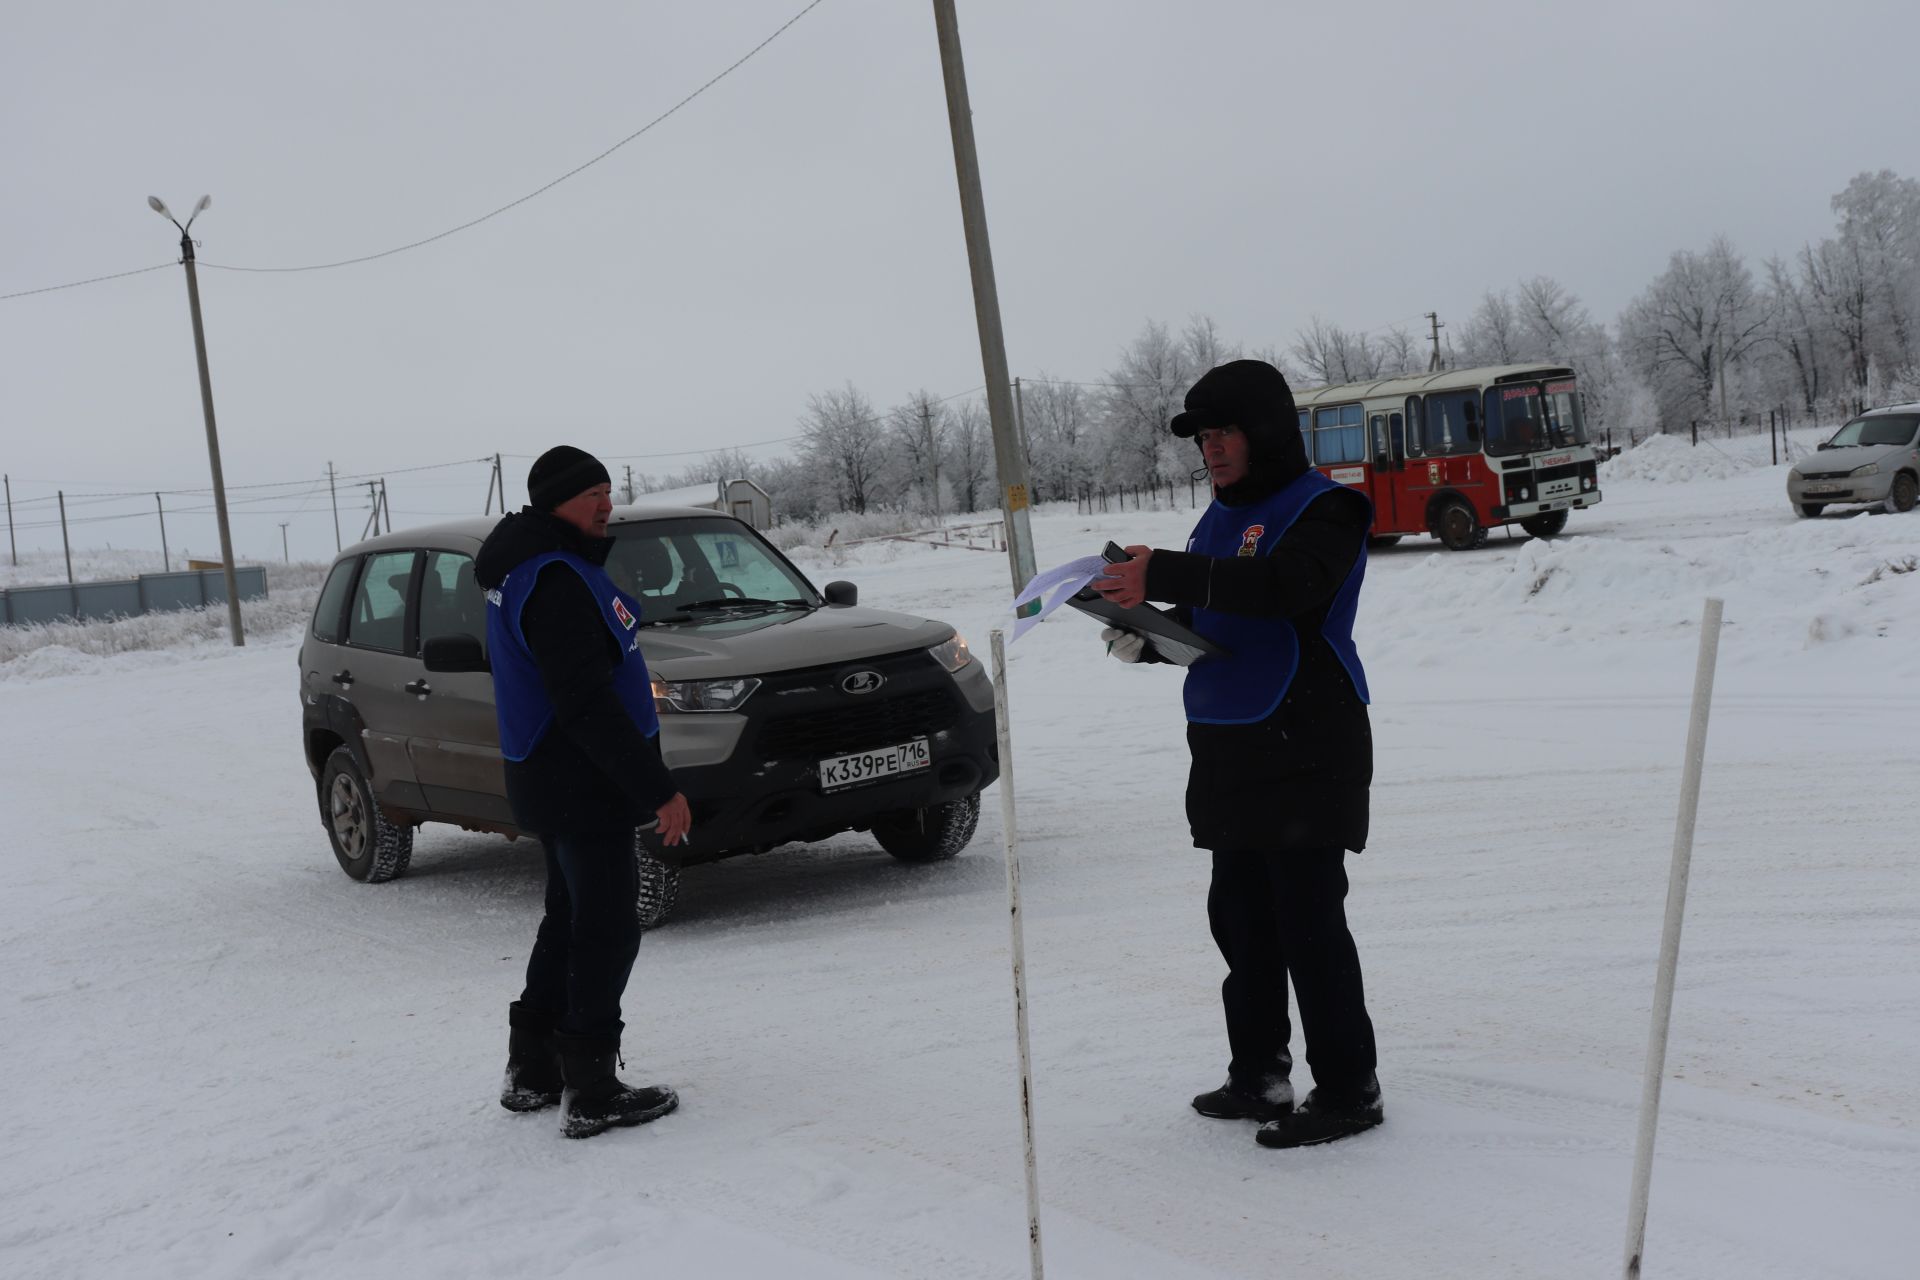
column 418, row 688
column 343, row 677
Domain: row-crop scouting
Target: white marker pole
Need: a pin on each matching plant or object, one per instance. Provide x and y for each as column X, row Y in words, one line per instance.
column 1670, row 936
column 1019, row 944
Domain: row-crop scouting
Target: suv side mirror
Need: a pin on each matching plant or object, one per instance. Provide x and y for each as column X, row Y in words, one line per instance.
column 454, row 653
column 841, row 593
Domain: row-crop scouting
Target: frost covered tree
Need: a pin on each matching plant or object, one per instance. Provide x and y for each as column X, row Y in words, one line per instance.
column 968, row 460
column 1059, row 420
column 1145, row 390
column 1702, row 313
column 1330, row 355
column 917, row 432
column 842, row 437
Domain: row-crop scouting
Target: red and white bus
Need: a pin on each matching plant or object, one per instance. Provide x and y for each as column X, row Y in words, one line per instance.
column 1458, row 452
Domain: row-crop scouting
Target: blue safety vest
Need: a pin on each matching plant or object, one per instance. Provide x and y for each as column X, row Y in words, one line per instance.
column 519, row 698
column 1247, row 684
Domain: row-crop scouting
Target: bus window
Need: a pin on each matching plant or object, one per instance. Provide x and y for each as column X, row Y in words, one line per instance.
column 1415, row 419
column 1378, row 426
column 1565, row 422
column 1514, row 422
column 1452, row 423
column 1339, row 435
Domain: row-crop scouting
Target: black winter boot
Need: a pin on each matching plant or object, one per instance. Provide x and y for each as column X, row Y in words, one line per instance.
column 595, row 1099
column 1327, row 1115
column 1268, row 1098
column 533, row 1065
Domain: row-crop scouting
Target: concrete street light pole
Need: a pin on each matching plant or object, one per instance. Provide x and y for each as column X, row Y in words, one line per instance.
column 206, row 403
column 1009, row 459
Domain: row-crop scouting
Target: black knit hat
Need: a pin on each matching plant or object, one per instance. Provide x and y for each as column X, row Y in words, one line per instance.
column 561, row 473
column 1239, row 393
column 1254, row 396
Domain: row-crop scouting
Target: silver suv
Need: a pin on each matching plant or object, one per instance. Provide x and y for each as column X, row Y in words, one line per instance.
column 786, row 714
column 1874, row 458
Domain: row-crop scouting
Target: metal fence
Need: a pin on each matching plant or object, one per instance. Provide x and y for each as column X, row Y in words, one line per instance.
column 128, row 597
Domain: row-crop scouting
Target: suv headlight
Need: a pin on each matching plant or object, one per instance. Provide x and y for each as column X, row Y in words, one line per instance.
column 703, row 695
column 1871, row 469
column 952, row 655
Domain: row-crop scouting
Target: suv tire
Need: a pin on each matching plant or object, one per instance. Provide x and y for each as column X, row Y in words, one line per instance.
column 659, row 883
column 1905, row 494
column 932, row 834
column 1457, row 527
column 369, row 846
column 1547, row 524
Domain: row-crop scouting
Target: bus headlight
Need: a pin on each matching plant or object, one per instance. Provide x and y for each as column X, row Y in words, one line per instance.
column 703, row 695
column 953, row 654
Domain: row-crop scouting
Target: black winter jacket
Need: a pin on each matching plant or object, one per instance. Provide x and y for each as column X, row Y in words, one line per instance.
column 593, row 770
column 1298, row 779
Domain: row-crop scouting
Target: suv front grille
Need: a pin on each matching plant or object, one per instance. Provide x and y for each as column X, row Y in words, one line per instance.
column 1825, row 475
column 858, row 726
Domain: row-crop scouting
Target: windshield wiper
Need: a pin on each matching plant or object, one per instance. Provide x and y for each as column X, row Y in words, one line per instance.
column 743, row 602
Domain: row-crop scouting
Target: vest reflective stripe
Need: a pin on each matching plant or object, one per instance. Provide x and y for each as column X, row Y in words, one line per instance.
column 1248, row 684
column 519, row 698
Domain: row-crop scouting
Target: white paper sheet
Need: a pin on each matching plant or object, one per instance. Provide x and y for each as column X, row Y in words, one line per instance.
column 1069, row 578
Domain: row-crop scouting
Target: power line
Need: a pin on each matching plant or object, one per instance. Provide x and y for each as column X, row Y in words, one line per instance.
column 486, row 217
column 75, row 284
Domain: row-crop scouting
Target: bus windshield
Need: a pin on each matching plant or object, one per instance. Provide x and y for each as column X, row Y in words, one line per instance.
column 1526, row 417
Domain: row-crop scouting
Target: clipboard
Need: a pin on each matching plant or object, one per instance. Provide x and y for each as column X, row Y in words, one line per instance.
column 1175, row 643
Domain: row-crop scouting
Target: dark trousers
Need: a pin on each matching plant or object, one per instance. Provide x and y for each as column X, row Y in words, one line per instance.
column 1280, row 915
column 590, row 934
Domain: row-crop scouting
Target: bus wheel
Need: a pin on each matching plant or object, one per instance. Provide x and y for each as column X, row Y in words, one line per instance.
column 1546, row 524
column 1457, row 527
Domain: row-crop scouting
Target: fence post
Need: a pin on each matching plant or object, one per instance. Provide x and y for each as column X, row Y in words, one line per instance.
column 1773, row 438
column 1696, row 432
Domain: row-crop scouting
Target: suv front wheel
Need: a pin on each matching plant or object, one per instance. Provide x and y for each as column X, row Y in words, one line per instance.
column 932, row 834
column 368, row 845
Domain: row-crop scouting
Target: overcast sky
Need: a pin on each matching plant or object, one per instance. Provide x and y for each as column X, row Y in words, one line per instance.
column 797, row 226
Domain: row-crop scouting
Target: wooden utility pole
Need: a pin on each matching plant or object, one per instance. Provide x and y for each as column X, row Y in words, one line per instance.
column 64, row 544
column 1008, row 460
column 334, row 494
column 166, row 561
column 285, row 555
column 1433, row 318
column 933, row 460
column 12, row 547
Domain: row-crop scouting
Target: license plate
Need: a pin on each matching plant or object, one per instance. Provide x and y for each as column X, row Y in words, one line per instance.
column 868, row 766
column 1821, row 488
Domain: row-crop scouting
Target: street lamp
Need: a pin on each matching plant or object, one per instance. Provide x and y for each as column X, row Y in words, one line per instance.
column 159, row 206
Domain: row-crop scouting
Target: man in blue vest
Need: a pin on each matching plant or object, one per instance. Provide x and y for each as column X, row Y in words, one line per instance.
column 583, row 765
column 1282, row 751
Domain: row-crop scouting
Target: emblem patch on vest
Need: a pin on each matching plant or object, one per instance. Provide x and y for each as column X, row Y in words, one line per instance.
column 620, row 612
column 1250, row 540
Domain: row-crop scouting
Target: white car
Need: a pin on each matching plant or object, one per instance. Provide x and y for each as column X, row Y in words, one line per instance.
column 1874, row 458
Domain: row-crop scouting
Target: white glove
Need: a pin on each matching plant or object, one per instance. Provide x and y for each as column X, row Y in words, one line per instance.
column 1127, row 646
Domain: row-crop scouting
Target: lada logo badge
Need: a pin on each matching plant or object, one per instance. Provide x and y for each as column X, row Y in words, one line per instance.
column 863, row 682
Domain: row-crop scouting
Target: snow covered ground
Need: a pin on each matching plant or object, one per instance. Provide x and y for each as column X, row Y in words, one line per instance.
column 229, row 1060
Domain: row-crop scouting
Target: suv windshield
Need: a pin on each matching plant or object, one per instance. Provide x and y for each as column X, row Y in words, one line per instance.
column 1882, row 428
column 671, row 566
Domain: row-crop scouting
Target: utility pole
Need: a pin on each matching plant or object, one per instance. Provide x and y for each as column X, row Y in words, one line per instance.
column 933, row 460
column 206, row 403
column 166, row 561
column 387, row 510
column 64, row 544
column 373, row 518
column 335, row 495
column 1020, row 418
column 284, row 554
column 1008, row 460
column 629, row 501
column 500, row 483
column 12, row 546
column 1433, row 318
